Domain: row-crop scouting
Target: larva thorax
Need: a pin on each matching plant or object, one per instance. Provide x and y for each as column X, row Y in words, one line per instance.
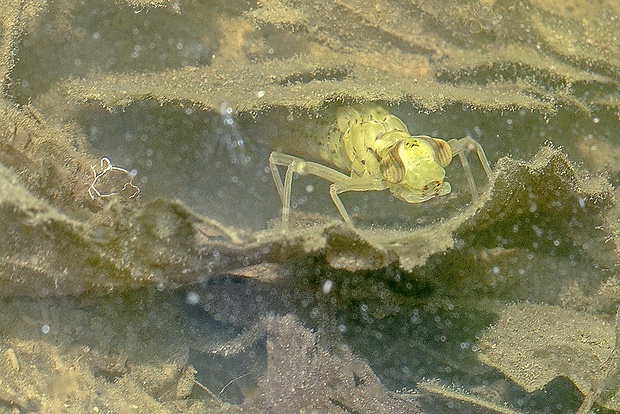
column 366, row 140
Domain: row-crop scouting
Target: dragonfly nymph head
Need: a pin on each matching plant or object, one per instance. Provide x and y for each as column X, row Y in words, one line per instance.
column 415, row 167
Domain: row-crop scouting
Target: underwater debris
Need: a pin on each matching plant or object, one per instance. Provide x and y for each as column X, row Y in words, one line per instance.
column 163, row 243
column 112, row 181
column 486, row 56
column 146, row 4
column 302, row 374
column 50, row 159
column 453, row 397
column 76, row 355
column 533, row 344
column 16, row 16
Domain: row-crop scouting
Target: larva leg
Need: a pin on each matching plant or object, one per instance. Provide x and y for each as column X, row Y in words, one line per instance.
column 276, row 159
column 463, row 146
column 299, row 166
column 353, row 184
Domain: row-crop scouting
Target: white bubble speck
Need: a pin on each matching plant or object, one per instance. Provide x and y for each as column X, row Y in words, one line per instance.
column 192, row 298
column 45, row 329
column 328, row 285
column 582, row 203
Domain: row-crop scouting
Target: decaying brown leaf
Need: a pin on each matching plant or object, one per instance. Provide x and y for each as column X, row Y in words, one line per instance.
column 302, row 373
column 165, row 243
column 488, row 56
column 556, row 342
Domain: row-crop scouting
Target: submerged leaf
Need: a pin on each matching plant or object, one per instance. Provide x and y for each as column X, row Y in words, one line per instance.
column 164, row 243
column 304, row 53
column 15, row 18
column 534, row 344
column 303, row 374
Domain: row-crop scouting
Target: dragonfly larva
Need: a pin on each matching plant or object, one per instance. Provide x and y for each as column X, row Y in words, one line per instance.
column 375, row 148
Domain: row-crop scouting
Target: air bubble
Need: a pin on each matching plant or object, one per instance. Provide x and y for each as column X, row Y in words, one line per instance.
column 192, row 298
column 328, row 285
column 582, row 203
column 537, row 230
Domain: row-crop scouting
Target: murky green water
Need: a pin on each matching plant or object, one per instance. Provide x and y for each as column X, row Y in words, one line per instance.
column 191, row 298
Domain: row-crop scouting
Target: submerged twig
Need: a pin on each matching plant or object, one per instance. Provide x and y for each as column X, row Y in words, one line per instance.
column 205, row 389
column 451, row 394
column 231, row 381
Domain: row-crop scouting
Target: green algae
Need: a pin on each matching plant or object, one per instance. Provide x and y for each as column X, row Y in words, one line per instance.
column 507, row 62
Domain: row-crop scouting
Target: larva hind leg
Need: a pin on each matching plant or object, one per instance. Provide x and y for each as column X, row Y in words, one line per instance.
column 297, row 165
column 341, row 183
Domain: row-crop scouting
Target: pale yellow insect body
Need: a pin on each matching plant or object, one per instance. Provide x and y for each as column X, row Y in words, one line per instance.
column 376, row 149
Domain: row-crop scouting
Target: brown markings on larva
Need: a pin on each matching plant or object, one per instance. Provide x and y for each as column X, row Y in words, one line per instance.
column 392, row 166
column 442, row 150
